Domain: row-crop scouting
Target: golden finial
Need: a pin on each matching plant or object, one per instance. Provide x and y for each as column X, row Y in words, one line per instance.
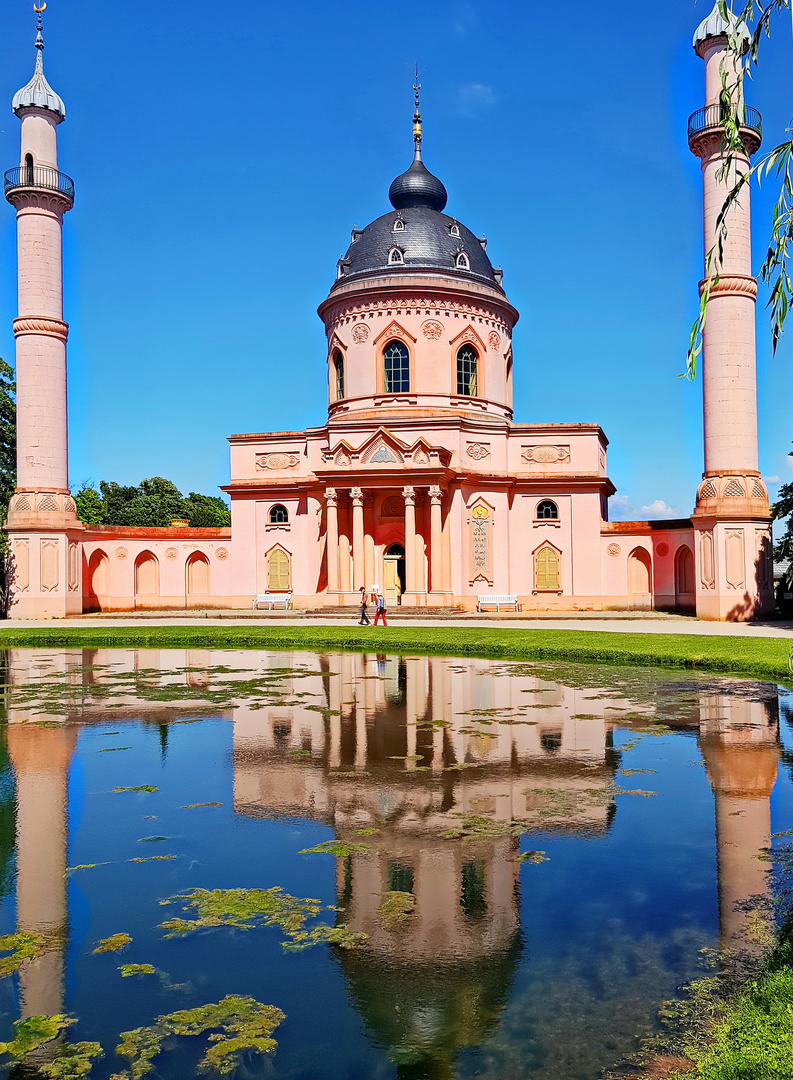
column 417, row 113
column 39, row 10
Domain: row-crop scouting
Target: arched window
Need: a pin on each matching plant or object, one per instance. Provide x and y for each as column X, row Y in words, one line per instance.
column 29, row 174
column 395, row 256
column 461, row 262
column 338, row 364
column 467, row 371
column 547, row 511
column 454, row 229
column 278, row 571
column 278, row 515
column 396, row 368
column 399, row 225
column 546, row 569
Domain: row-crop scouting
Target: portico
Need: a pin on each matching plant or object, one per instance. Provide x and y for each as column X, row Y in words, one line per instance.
column 392, row 537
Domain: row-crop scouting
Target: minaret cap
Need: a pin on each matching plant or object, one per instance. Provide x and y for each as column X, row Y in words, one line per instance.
column 715, row 26
column 38, row 93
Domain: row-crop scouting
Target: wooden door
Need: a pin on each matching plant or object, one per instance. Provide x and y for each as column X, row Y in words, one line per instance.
column 391, row 581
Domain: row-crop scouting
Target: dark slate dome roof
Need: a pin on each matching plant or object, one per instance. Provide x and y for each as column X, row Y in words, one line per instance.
column 426, row 242
column 425, row 238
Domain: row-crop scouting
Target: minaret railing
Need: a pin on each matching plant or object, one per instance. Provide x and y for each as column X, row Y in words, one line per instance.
column 715, row 116
column 38, row 177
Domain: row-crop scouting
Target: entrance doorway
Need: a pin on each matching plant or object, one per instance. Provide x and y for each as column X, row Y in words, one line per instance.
column 394, row 575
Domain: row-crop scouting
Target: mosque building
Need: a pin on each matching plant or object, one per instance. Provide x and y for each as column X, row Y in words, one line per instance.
column 420, row 482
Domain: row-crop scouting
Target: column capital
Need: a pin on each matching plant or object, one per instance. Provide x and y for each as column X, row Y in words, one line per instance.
column 409, row 495
column 357, row 495
column 331, row 496
column 436, row 494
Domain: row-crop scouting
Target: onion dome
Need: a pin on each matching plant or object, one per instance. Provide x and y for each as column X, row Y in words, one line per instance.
column 38, row 94
column 716, row 26
column 417, row 187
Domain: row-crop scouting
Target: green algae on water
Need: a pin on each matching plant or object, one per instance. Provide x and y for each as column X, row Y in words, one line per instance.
column 477, row 827
column 22, row 946
column 244, row 909
column 154, row 858
column 340, row 848
column 114, row 943
column 195, row 805
column 149, row 788
column 128, row 970
column 239, row 1025
column 152, row 839
column 114, row 749
column 70, row 1061
column 533, row 857
column 395, row 909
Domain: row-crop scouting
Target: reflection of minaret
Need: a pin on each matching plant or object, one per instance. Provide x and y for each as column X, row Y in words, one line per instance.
column 40, row 757
column 739, row 740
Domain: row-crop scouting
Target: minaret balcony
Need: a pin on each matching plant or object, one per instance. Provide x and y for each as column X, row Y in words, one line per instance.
column 38, row 178
column 711, row 121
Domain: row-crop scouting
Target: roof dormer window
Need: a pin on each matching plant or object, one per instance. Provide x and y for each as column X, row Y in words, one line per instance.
column 399, row 225
column 454, row 229
column 461, row 262
column 395, row 256
column 356, row 235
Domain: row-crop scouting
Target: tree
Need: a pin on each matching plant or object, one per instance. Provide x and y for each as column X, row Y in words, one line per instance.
column 153, row 503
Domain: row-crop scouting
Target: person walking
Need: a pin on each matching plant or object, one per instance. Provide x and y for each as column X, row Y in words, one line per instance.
column 364, row 619
column 379, row 609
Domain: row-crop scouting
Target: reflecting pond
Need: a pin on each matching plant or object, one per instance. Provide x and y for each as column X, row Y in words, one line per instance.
column 454, row 867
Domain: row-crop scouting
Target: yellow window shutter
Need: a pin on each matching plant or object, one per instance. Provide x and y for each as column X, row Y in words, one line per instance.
column 279, row 571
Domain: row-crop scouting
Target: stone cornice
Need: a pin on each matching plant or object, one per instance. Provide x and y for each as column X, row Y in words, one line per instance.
column 421, row 295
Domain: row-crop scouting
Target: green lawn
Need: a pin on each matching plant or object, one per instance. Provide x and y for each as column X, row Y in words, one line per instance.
column 766, row 658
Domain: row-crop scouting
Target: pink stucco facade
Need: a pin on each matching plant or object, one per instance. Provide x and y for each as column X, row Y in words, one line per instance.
column 420, row 482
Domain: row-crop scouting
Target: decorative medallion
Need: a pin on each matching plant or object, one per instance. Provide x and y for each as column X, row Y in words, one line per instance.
column 546, row 455
column 614, row 550
column 383, row 456
column 432, row 330
column 221, row 553
column 478, row 451
column 342, row 458
column 360, row 333
column 393, row 506
column 277, row 461
column 480, row 512
column 171, row 553
column 662, row 550
column 121, row 553
column 494, row 340
column 420, row 458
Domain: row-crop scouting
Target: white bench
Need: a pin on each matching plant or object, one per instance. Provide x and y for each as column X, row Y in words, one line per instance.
column 271, row 599
column 499, row 601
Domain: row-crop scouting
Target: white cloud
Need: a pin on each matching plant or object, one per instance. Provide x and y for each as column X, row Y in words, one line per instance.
column 772, row 479
column 475, row 98
column 622, row 509
column 790, row 461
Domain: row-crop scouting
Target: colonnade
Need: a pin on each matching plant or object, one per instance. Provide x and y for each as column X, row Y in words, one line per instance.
column 352, row 532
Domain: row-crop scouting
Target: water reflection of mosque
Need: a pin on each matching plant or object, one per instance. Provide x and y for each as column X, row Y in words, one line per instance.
column 358, row 743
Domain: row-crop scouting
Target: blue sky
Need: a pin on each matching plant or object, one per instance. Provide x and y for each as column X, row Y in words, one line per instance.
column 222, row 154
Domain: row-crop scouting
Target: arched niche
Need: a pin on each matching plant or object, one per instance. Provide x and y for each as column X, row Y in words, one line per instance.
column 639, row 572
column 147, row 574
column 97, row 581
column 197, row 575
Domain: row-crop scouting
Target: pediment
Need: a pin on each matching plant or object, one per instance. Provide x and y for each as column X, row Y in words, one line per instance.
column 383, row 449
column 395, row 330
column 469, row 334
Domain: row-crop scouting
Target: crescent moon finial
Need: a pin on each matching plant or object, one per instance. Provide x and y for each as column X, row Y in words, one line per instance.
column 39, row 10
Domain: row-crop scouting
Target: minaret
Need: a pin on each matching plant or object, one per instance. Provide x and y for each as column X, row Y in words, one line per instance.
column 44, row 561
column 732, row 515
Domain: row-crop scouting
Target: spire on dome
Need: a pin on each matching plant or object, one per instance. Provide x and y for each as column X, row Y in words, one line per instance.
column 715, row 25
column 38, row 93
column 417, row 186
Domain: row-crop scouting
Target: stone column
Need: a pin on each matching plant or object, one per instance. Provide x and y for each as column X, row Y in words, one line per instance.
column 344, row 549
column 358, row 564
column 409, row 495
column 436, row 540
column 332, row 540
